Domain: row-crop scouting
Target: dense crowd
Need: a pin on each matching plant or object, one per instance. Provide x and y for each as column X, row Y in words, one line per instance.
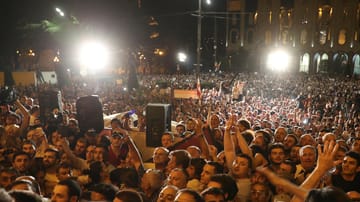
column 247, row 137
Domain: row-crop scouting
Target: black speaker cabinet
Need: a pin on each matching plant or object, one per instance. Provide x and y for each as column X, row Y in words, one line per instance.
column 89, row 113
column 48, row 101
column 158, row 120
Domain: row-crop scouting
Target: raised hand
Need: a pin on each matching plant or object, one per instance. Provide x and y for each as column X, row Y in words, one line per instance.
column 285, row 184
column 213, row 151
column 64, row 142
column 354, row 195
column 326, row 156
column 230, row 122
column 271, row 176
column 199, row 127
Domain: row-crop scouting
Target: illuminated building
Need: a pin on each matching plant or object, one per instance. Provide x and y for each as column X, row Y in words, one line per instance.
column 321, row 36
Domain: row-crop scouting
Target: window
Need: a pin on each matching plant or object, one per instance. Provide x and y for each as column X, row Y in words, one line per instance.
column 342, row 37
column 322, row 36
column 304, row 63
column 268, row 37
column 284, row 37
column 303, row 37
column 320, row 13
column 356, row 61
column 234, row 36
column 355, row 36
column 323, row 66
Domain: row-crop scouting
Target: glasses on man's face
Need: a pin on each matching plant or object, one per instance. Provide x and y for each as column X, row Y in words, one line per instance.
column 260, row 193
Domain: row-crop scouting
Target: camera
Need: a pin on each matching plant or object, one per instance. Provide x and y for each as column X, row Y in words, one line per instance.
column 7, row 95
column 306, row 121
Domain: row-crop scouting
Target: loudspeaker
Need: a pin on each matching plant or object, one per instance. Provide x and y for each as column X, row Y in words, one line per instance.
column 158, row 120
column 89, row 113
column 48, row 101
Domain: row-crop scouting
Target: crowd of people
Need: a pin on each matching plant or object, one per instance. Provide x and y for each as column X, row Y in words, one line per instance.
column 247, row 137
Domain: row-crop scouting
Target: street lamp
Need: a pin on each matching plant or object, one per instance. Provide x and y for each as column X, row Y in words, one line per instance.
column 278, row 60
column 60, row 12
column 93, row 56
column 182, row 57
column 198, row 49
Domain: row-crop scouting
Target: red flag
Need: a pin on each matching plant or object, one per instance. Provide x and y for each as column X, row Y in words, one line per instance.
column 198, row 88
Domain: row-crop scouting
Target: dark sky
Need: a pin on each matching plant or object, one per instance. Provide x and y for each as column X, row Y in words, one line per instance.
column 120, row 21
column 102, row 14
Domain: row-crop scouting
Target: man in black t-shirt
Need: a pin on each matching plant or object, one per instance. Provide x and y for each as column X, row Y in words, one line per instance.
column 349, row 177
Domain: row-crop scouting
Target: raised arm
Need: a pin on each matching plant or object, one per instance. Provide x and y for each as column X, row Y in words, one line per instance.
column 26, row 117
column 285, row 184
column 134, row 152
column 43, row 142
column 242, row 143
column 76, row 162
column 203, row 143
column 324, row 163
column 208, row 118
column 229, row 148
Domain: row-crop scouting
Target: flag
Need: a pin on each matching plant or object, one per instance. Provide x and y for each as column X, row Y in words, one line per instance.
column 198, row 87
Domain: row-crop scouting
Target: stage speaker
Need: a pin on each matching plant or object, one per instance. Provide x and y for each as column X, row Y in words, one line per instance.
column 158, row 120
column 89, row 113
column 48, row 101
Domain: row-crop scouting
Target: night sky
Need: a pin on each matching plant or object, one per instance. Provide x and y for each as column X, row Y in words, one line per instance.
column 113, row 18
column 120, row 22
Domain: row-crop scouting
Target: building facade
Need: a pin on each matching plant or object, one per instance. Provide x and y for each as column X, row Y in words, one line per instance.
column 320, row 36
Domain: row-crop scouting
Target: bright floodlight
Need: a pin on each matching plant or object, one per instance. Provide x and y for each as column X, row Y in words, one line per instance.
column 60, row 12
column 208, row 2
column 182, row 57
column 93, row 57
column 278, row 61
